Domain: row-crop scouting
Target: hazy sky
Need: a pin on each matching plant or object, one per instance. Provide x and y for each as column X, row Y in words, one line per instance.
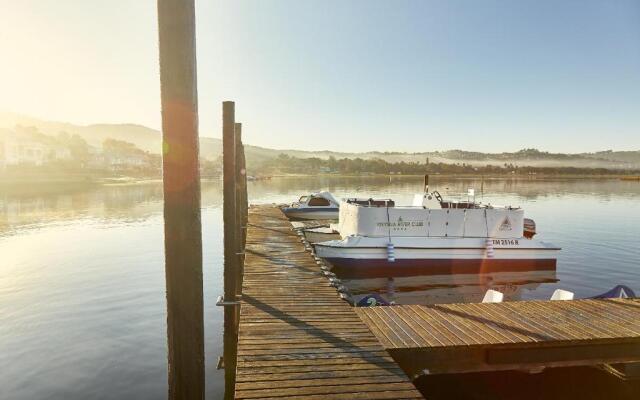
column 345, row 75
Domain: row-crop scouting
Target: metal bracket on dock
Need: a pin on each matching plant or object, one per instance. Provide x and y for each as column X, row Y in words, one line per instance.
column 220, row 302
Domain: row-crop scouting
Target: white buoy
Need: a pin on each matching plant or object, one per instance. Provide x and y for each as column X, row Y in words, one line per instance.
column 493, row 296
column 489, row 248
column 391, row 253
column 560, row 294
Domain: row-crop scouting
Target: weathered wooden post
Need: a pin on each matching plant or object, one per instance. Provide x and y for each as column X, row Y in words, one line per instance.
column 181, row 184
column 230, row 246
column 240, row 173
column 244, row 201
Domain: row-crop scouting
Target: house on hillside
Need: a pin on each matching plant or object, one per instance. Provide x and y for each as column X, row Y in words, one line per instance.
column 95, row 157
column 121, row 156
column 21, row 149
column 117, row 162
column 27, row 146
column 58, row 152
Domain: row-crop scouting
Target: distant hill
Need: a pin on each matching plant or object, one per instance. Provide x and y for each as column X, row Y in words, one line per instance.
column 145, row 138
column 210, row 148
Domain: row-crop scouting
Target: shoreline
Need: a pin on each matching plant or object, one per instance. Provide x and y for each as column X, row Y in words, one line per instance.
column 77, row 181
column 468, row 176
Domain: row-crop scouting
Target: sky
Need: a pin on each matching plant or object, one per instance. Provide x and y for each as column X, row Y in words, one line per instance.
column 353, row 75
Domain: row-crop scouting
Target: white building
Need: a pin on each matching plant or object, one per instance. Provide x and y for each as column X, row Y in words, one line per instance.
column 18, row 149
column 27, row 148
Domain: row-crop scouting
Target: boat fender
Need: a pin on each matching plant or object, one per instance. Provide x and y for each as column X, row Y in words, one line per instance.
column 489, row 248
column 391, row 254
column 372, row 300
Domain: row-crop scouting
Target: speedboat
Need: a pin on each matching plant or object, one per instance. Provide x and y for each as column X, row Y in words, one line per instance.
column 434, row 236
column 321, row 205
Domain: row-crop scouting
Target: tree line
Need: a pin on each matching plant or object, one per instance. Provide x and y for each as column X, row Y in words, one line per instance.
column 314, row 165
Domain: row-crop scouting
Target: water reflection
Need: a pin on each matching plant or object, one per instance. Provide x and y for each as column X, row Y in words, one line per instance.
column 403, row 188
column 458, row 288
column 106, row 204
column 21, row 208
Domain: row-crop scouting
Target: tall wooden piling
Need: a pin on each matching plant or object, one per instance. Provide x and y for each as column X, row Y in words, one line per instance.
column 243, row 202
column 181, row 184
column 241, row 211
column 230, row 246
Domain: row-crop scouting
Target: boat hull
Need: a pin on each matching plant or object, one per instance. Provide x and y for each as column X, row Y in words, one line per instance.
column 367, row 268
column 435, row 257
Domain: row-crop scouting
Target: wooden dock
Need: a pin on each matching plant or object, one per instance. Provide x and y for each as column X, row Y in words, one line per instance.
column 449, row 338
column 296, row 337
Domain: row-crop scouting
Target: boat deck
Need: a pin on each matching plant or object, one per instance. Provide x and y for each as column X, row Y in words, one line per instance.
column 296, row 337
column 447, row 338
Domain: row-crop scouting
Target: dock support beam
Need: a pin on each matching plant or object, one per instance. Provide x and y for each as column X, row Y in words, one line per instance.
column 231, row 248
column 181, row 184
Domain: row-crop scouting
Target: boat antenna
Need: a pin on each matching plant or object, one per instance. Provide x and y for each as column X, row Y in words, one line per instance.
column 426, row 183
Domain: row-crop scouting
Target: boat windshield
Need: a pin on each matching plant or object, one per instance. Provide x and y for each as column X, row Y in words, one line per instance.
column 303, row 199
column 319, row 202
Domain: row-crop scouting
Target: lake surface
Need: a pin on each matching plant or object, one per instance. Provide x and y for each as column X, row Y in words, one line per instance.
column 82, row 291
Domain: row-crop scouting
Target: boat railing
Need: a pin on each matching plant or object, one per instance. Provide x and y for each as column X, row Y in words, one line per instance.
column 371, row 202
column 445, row 205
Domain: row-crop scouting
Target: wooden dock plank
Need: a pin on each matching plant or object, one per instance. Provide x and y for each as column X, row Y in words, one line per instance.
column 440, row 326
column 296, row 337
column 373, row 385
column 492, row 330
column 496, row 336
column 333, row 373
column 396, row 395
column 259, row 373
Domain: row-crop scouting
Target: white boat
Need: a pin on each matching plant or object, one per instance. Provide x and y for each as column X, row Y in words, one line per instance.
column 434, row 236
column 321, row 205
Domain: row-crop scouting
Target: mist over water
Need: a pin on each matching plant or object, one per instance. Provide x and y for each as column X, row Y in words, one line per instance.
column 82, row 291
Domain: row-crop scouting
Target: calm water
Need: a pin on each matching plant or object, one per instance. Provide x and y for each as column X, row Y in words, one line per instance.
column 82, row 294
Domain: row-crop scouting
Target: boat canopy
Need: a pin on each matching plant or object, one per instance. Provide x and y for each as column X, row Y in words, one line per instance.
column 492, row 222
column 326, row 195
